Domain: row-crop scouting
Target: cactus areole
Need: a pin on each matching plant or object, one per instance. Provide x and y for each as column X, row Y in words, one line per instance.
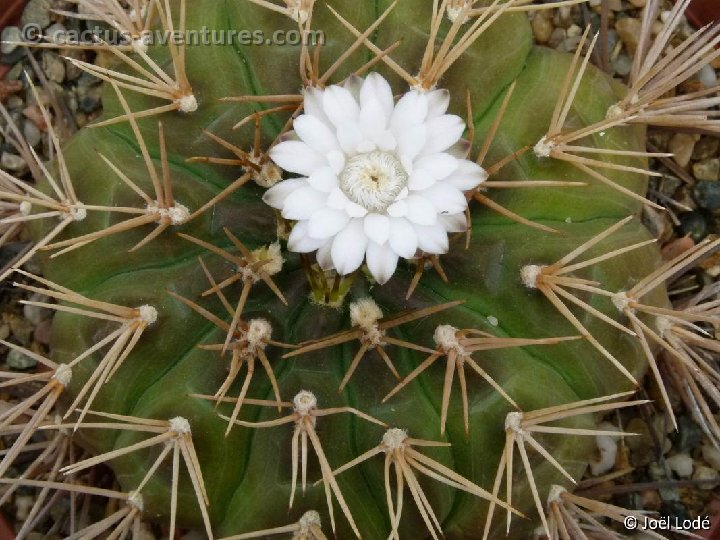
column 371, row 175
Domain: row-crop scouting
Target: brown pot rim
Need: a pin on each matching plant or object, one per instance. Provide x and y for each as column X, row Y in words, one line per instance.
column 703, row 12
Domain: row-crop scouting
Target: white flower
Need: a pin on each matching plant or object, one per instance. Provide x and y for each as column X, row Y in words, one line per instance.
column 379, row 180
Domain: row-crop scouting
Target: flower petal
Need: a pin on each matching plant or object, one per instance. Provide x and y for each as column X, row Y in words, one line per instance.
column 398, row 209
column 468, row 175
column 443, row 132
column 350, row 137
column 420, row 210
column 438, row 103
column 323, row 256
column 409, row 112
column 354, row 84
column 377, row 227
column 355, row 210
column 432, row 239
column 420, row 179
column 312, row 104
column 411, row 143
column 340, row 105
column 454, row 223
column 445, row 198
column 377, row 88
column 337, row 199
column 438, row 165
column 403, row 239
column 297, row 157
column 302, row 203
column 323, row 179
column 327, row 222
column 300, row 242
column 382, row 262
column 316, row 134
column 276, row 195
column 348, row 248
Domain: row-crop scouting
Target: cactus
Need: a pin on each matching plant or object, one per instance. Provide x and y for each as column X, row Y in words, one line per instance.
column 521, row 352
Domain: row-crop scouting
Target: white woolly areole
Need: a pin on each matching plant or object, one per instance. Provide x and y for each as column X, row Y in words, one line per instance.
column 445, row 337
column 513, row 421
column 394, row 439
column 614, row 112
column 304, row 402
column 135, row 500
column 269, row 174
column 25, row 208
column 177, row 214
column 456, row 7
column 365, row 313
column 63, row 374
column 530, row 275
column 140, row 45
column 544, row 147
column 187, row 104
column 148, row 314
column 78, row 212
column 309, row 519
column 273, row 254
column 555, row 494
column 180, row 426
column 258, row 333
column 663, row 325
column 621, row 301
column 375, row 180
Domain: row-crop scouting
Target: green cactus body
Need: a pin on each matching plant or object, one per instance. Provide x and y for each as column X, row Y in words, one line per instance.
column 248, row 473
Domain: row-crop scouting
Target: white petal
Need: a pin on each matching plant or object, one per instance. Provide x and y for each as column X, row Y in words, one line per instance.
column 327, row 222
column 438, row 165
column 340, row 105
column 372, row 118
column 348, row 248
column 409, row 112
column 382, row 262
column 438, row 103
column 355, row 210
column 336, row 161
column 377, row 227
column 297, row 157
column 432, row 239
column 302, row 203
column 350, row 137
column 323, row 179
column 443, row 132
column 398, row 209
column 445, row 198
column 411, row 142
column 468, row 175
column 312, row 104
column 276, row 195
column 454, row 223
column 420, row 179
column 300, row 242
column 337, row 199
column 354, row 84
column 377, row 88
column 403, row 238
column 315, row 133
column 460, row 150
column 420, row 210
column 323, row 256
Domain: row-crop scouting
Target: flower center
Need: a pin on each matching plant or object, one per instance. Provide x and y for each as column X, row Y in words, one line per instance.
column 373, row 180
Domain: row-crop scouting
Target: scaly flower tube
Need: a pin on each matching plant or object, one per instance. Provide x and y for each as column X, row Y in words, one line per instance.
column 380, row 180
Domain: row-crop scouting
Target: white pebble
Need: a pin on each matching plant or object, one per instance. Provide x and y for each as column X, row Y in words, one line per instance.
column 681, row 464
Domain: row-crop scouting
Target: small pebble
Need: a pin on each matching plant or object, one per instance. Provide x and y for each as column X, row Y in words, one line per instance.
column 43, row 332
column 629, row 30
column 53, row 67
column 707, row 170
column 12, row 162
column 542, row 28
column 622, row 65
column 638, row 3
column 31, row 132
column 707, row 473
column 9, row 33
column 37, row 12
column 682, row 146
column 37, row 314
column 707, row 194
column 694, row 224
column 706, row 148
column 707, row 77
column 681, row 464
column 19, row 361
column 711, row 455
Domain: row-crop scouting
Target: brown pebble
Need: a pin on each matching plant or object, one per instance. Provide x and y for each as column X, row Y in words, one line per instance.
column 682, row 146
column 43, row 332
